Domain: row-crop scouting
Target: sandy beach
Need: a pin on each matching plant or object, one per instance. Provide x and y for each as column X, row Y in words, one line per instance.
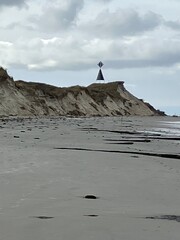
column 49, row 166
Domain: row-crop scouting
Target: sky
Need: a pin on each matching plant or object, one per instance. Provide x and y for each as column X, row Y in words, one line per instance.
column 60, row 42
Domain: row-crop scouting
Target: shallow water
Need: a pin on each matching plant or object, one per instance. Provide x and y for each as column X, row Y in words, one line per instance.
column 170, row 128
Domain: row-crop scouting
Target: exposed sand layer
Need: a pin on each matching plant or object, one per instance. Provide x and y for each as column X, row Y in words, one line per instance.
column 90, row 178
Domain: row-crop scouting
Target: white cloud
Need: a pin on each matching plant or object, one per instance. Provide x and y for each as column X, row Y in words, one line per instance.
column 5, row 44
column 77, row 54
column 50, row 63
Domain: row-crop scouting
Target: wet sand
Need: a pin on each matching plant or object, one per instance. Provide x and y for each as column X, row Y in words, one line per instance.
column 94, row 178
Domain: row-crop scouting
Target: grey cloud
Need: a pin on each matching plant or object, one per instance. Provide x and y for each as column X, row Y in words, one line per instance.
column 165, row 53
column 57, row 18
column 175, row 25
column 105, row 1
column 122, row 23
column 17, row 3
column 150, row 52
column 77, row 55
column 164, row 60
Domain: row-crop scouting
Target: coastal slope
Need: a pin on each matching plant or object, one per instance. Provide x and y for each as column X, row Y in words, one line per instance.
column 20, row 98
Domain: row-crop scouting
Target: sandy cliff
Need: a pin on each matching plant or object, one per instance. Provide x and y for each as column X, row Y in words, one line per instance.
column 19, row 98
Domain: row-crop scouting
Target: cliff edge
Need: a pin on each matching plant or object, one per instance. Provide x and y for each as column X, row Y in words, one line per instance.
column 20, row 98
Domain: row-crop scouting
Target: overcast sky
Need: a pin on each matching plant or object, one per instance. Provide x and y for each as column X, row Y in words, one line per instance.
column 60, row 42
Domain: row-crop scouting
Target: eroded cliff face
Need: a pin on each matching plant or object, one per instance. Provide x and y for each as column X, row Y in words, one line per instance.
column 19, row 98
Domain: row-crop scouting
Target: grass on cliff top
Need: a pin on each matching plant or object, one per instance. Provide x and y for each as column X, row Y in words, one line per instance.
column 48, row 90
column 3, row 73
column 98, row 91
column 31, row 88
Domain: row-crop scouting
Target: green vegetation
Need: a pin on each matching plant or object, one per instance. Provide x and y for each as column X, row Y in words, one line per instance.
column 100, row 91
column 3, row 73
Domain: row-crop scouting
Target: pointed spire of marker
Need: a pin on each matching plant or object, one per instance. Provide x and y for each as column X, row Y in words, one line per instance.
column 100, row 75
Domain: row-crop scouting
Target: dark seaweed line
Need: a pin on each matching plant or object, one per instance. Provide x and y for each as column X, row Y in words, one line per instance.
column 166, row 217
column 127, row 140
column 152, row 138
column 121, row 143
column 144, row 140
column 163, row 155
column 138, row 134
column 113, row 131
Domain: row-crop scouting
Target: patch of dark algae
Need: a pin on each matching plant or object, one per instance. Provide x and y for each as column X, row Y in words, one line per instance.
column 43, row 217
column 90, row 197
column 166, row 217
column 91, row 215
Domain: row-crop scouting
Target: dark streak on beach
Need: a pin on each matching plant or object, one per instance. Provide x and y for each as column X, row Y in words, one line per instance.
column 163, row 155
